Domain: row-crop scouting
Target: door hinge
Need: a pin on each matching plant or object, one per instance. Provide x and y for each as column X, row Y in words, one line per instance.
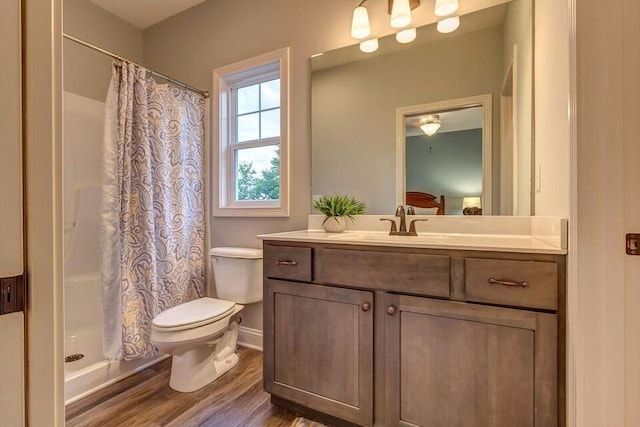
column 633, row 243
column 12, row 294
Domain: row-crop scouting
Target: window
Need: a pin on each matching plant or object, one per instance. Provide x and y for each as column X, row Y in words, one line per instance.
column 251, row 122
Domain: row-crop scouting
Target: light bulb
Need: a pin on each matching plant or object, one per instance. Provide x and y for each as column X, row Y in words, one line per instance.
column 449, row 25
column 430, row 125
column 400, row 13
column 406, row 36
column 369, row 46
column 446, row 7
column 360, row 27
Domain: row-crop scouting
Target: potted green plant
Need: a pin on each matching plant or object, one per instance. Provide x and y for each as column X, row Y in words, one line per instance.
column 336, row 208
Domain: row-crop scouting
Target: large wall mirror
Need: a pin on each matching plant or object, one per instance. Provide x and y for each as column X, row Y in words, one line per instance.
column 444, row 123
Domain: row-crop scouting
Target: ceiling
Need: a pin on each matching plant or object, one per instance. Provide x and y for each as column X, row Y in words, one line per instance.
column 452, row 121
column 145, row 13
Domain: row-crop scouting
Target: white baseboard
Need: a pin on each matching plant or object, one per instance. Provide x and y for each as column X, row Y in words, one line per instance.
column 250, row 338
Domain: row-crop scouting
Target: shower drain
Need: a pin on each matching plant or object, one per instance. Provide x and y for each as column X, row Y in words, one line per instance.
column 73, row 358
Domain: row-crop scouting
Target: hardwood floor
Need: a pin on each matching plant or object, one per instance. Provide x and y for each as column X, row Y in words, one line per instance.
column 145, row 399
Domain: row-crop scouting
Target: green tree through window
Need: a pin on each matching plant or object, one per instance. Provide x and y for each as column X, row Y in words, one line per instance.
column 266, row 186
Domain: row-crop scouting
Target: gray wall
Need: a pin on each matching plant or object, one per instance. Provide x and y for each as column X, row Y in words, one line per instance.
column 86, row 72
column 354, row 110
column 448, row 164
column 191, row 45
column 518, row 30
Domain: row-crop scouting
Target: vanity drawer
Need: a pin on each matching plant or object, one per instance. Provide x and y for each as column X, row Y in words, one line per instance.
column 400, row 272
column 288, row 262
column 530, row 284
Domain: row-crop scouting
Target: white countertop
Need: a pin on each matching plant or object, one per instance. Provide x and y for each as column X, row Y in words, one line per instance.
column 455, row 241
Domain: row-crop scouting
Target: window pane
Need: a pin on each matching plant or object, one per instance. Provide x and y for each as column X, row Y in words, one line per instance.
column 257, row 173
column 248, row 99
column 270, row 124
column 270, row 94
column 248, row 127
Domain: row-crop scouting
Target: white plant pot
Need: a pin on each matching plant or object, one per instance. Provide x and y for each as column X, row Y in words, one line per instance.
column 334, row 224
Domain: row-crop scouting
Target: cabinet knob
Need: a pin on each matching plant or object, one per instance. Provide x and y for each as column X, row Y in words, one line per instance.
column 391, row 310
column 366, row 306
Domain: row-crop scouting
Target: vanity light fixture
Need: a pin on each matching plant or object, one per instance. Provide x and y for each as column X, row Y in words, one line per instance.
column 400, row 11
column 449, row 25
column 406, row 36
column 430, row 124
column 360, row 27
column 369, row 46
column 446, row 7
column 400, row 14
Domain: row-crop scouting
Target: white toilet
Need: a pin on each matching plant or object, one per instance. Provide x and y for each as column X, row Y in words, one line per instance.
column 202, row 334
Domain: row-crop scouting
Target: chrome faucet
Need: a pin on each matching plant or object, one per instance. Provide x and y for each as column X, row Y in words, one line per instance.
column 400, row 212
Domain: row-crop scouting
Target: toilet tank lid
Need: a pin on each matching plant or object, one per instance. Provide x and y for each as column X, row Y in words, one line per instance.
column 245, row 253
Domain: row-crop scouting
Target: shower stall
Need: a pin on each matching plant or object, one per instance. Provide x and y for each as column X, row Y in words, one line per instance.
column 86, row 369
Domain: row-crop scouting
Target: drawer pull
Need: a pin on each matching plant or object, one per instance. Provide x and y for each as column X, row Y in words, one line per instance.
column 366, row 306
column 493, row 281
column 391, row 310
column 292, row 263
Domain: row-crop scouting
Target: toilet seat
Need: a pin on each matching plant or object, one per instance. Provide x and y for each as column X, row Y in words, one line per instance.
column 193, row 314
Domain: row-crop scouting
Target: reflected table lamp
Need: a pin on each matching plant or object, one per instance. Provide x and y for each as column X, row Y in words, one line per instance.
column 472, row 206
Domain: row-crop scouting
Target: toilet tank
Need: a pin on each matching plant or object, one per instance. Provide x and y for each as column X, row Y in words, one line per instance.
column 238, row 274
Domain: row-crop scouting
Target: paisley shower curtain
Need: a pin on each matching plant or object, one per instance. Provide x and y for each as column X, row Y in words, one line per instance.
column 153, row 216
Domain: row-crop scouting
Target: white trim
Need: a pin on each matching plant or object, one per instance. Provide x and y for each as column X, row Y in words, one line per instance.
column 223, row 79
column 42, row 26
column 486, row 101
column 571, row 373
column 250, row 338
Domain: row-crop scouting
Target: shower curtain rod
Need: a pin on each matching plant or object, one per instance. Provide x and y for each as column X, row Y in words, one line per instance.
column 153, row 73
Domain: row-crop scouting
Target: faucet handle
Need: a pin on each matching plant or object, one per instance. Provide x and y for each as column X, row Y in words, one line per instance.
column 412, row 227
column 394, row 228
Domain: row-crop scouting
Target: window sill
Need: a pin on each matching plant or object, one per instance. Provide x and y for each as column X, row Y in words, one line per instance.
column 251, row 212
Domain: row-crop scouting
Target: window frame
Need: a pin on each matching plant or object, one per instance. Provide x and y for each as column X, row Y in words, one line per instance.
column 226, row 79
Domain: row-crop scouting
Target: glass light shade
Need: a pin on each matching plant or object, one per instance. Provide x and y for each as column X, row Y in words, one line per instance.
column 406, row 36
column 471, row 202
column 360, row 27
column 446, row 7
column 449, row 25
column 430, row 125
column 430, row 128
column 400, row 13
column 369, row 46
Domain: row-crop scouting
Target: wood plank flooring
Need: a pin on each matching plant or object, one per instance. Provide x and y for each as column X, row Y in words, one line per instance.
column 145, row 399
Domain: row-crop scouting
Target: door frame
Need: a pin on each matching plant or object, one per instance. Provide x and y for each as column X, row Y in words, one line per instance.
column 486, row 102
column 42, row 23
column 42, row 126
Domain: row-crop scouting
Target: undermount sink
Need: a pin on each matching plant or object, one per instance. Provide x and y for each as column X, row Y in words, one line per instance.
column 385, row 237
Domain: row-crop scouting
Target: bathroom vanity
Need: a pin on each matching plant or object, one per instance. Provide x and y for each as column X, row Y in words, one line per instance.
column 444, row 329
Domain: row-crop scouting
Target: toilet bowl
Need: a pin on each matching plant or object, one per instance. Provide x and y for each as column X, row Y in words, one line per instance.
column 202, row 334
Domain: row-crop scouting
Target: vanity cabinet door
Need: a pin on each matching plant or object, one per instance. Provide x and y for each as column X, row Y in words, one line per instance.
column 456, row 364
column 319, row 348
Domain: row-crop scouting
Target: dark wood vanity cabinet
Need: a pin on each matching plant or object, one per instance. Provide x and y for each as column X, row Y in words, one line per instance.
column 319, row 348
column 456, row 364
column 372, row 338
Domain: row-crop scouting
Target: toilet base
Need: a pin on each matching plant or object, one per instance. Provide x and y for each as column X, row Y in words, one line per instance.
column 194, row 368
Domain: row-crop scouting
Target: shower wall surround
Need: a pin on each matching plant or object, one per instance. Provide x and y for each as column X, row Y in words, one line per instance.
column 87, row 75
